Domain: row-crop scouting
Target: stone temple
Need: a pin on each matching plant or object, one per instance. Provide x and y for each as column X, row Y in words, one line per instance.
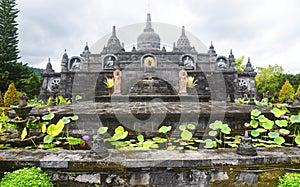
column 149, row 70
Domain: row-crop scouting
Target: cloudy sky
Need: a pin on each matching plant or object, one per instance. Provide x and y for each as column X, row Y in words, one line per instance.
column 266, row 31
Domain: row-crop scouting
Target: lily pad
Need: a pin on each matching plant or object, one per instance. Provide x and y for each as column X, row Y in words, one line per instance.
column 54, row 130
column 182, row 127
column 186, row 135
column 225, row 129
column 279, row 140
column 281, row 123
column 254, row 123
column 268, row 124
column 191, row 126
column 277, row 112
column 140, row 138
column 216, row 125
column 254, row 133
column 273, row 134
column 212, row 133
column 284, row 131
column 164, row 129
column 102, row 130
column 48, row 116
column 295, row 119
column 255, row 113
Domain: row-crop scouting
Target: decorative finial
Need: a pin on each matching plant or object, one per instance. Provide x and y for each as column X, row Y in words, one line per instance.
column 148, row 24
column 49, row 61
column 183, row 31
column 231, row 51
column 114, row 31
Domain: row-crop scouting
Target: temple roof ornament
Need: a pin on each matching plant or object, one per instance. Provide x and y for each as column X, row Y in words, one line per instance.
column 113, row 44
column 211, row 50
column 231, row 59
column 249, row 67
column 148, row 40
column 49, row 68
column 183, row 43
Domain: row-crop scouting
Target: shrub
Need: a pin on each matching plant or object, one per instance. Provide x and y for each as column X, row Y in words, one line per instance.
column 286, row 92
column 26, row 177
column 298, row 90
column 11, row 96
column 290, row 180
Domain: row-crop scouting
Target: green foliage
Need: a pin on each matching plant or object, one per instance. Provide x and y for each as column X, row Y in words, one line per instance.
column 102, row 130
column 191, row 82
column 239, row 64
column 218, row 140
column 11, row 96
column 269, row 133
column 298, row 91
column 9, row 31
column 268, row 80
column 164, row 129
column 289, row 180
column 26, row 177
column 286, row 92
column 60, row 100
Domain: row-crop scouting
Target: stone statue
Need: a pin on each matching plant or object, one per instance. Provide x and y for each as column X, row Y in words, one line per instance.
column 109, row 63
column 117, row 82
column 182, row 81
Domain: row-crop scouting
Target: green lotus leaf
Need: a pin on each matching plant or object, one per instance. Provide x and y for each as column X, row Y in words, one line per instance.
column 48, row 116
column 268, row 124
column 225, row 129
column 254, row 123
column 191, row 126
column 255, row 113
column 182, row 127
column 66, row 120
column 281, row 123
column 164, row 129
column 55, row 130
column 273, row 134
column 212, row 133
column 284, row 131
column 254, row 133
column 102, row 130
column 216, row 125
column 140, row 138
column 261, row 130
column 277, row 112
column 186, row 135
column 295, row 119
column 262, row 118
column 279, row 140
column 48, row 139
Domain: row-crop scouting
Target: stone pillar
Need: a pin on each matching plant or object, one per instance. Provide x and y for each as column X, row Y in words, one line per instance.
column 182, row 82
column 117, row 82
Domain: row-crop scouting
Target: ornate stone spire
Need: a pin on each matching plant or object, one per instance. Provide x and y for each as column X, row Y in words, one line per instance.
column 249, row 67
column 49, row 67
column 183, row 43
column 148, row 40
column 231, row 59
column 86, row 52
column 113, row 44
column 148, row 24
column 64, row 62
column 211, row 50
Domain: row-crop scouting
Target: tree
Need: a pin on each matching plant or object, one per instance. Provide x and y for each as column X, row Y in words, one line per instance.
column 9, row 51
column 11, row 96
column 267, row 80
column 239, row 64
column 298, row 90
column 286, row 92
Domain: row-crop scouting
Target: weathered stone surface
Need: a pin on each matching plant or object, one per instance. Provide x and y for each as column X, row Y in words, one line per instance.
column 151, row 168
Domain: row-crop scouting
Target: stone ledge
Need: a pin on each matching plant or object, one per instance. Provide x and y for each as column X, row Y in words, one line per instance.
column 81, row 159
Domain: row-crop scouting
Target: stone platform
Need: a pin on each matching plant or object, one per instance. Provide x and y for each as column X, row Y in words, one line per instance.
column 147, row 117
column 156, row 167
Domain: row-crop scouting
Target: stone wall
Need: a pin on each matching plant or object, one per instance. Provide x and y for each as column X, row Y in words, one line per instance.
column 158, row 167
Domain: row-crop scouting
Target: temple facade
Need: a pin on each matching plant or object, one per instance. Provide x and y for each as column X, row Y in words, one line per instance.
column 149, row 69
